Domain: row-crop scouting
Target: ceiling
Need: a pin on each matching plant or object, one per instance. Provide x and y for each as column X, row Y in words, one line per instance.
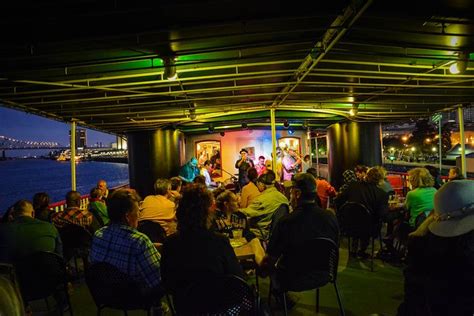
column 101, row 62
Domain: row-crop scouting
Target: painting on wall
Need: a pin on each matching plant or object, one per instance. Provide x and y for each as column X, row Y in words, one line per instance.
column 251, row 152
column 287, row 142
column 210, row 150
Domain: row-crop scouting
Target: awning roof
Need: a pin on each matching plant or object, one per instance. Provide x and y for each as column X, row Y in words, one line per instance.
column 101, row 62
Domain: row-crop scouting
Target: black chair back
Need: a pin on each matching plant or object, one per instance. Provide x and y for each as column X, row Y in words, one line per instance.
column 279, row 213
column 76, row 240
column 112, row 288
column 220, row 295
column 153, row 230
column 311, row 264
column 40, row 275
column 356, row 220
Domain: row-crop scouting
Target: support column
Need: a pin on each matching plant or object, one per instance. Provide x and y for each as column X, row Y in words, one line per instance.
column 274, row 140
column 73, row 155
column 153, row 155
column 352, row 143
column 462, row 141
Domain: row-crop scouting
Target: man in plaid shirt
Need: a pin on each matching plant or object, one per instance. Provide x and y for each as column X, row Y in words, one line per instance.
column 74, row 215
column 123, row 246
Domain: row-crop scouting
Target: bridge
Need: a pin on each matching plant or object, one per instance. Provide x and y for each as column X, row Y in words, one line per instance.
column 9, row 143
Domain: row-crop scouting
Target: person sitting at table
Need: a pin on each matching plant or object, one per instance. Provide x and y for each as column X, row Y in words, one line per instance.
column 123, row 246
column 250, row 191
column 175, row 192
column 324, row 190
column 206, row 171
column 421, row 197
column 455, row 173
column 158, row 208
column 73, row 214
column 360, row 172
column 195, row 252
column 189, row 170
column 262, row 207
column 439, row 278
column 307, row 221
column 227, row 220
column 98, row 207
column 348, row 177
column 25, row 235
column 373, row 198
column 41, row 202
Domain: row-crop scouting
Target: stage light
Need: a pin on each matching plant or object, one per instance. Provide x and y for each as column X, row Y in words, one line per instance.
column 286, row 124
column 460, row 65
column 211, row 128
column 354, row 110
column 222, row 134
column 290, row 131
column 244, row 125
column 170, row 68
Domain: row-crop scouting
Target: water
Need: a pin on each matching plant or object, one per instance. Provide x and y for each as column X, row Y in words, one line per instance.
column 22, row 178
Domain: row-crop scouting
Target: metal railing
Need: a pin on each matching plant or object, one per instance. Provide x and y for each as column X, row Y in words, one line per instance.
column 61, row 205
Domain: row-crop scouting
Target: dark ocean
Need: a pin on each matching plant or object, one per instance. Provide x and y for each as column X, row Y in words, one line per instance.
column 22, row 178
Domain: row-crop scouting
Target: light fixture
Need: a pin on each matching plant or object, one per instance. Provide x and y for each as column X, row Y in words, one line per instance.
column 244, row 125
column 354, row 110
column 290, row 131
column 286, row 124
column 192, row 114
column 222, row 134
column 211, row 128
column 170, row 68
column 460, row 65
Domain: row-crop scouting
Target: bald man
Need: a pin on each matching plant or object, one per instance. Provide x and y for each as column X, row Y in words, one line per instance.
column 26, row 235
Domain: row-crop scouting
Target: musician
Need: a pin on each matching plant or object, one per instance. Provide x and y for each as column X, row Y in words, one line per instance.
column 243, row 164
column 291, row 164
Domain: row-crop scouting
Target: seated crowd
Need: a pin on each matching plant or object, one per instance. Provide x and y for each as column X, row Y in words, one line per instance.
column 198, row 225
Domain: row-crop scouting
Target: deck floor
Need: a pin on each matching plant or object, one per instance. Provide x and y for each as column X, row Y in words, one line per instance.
column 362, row 292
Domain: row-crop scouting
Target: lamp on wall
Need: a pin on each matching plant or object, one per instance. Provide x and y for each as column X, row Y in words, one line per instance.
column 460, row 65
column 170, row 68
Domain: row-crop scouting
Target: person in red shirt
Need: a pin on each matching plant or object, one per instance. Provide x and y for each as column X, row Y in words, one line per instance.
column 324, row 189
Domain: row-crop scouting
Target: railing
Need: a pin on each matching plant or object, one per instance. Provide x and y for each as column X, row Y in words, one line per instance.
column 61, row 205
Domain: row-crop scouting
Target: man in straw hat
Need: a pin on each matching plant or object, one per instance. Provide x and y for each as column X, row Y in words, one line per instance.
column 439, row 278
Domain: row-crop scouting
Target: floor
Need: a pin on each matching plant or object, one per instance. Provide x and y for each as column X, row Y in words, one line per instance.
column 362, row 292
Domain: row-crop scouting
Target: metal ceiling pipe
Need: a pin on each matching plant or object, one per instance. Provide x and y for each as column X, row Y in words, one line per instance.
column 338, row 28
column 462, row 139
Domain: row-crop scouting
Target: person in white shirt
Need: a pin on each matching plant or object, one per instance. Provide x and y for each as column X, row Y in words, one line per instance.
column 206, row 171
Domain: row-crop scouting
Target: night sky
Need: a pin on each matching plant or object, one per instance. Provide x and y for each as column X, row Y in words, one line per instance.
column 30, row 127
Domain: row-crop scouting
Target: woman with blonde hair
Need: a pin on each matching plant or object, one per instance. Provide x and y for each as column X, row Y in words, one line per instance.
column 421, row 197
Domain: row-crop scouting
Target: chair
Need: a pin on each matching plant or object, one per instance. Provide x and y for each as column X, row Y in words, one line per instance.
column 219, row 295
column 356, row 221
column 310, row 265
column 41, row 275
column 76, row 244
column 153, row 230
column 279, row 213
column 114, row 289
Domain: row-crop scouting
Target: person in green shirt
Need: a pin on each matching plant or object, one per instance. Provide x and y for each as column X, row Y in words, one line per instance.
column 421, row 198
column 98, row 207
column 26, row 235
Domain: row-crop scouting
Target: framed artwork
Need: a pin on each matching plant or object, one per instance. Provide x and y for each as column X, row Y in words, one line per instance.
column 251, row 152
column 209, row 150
